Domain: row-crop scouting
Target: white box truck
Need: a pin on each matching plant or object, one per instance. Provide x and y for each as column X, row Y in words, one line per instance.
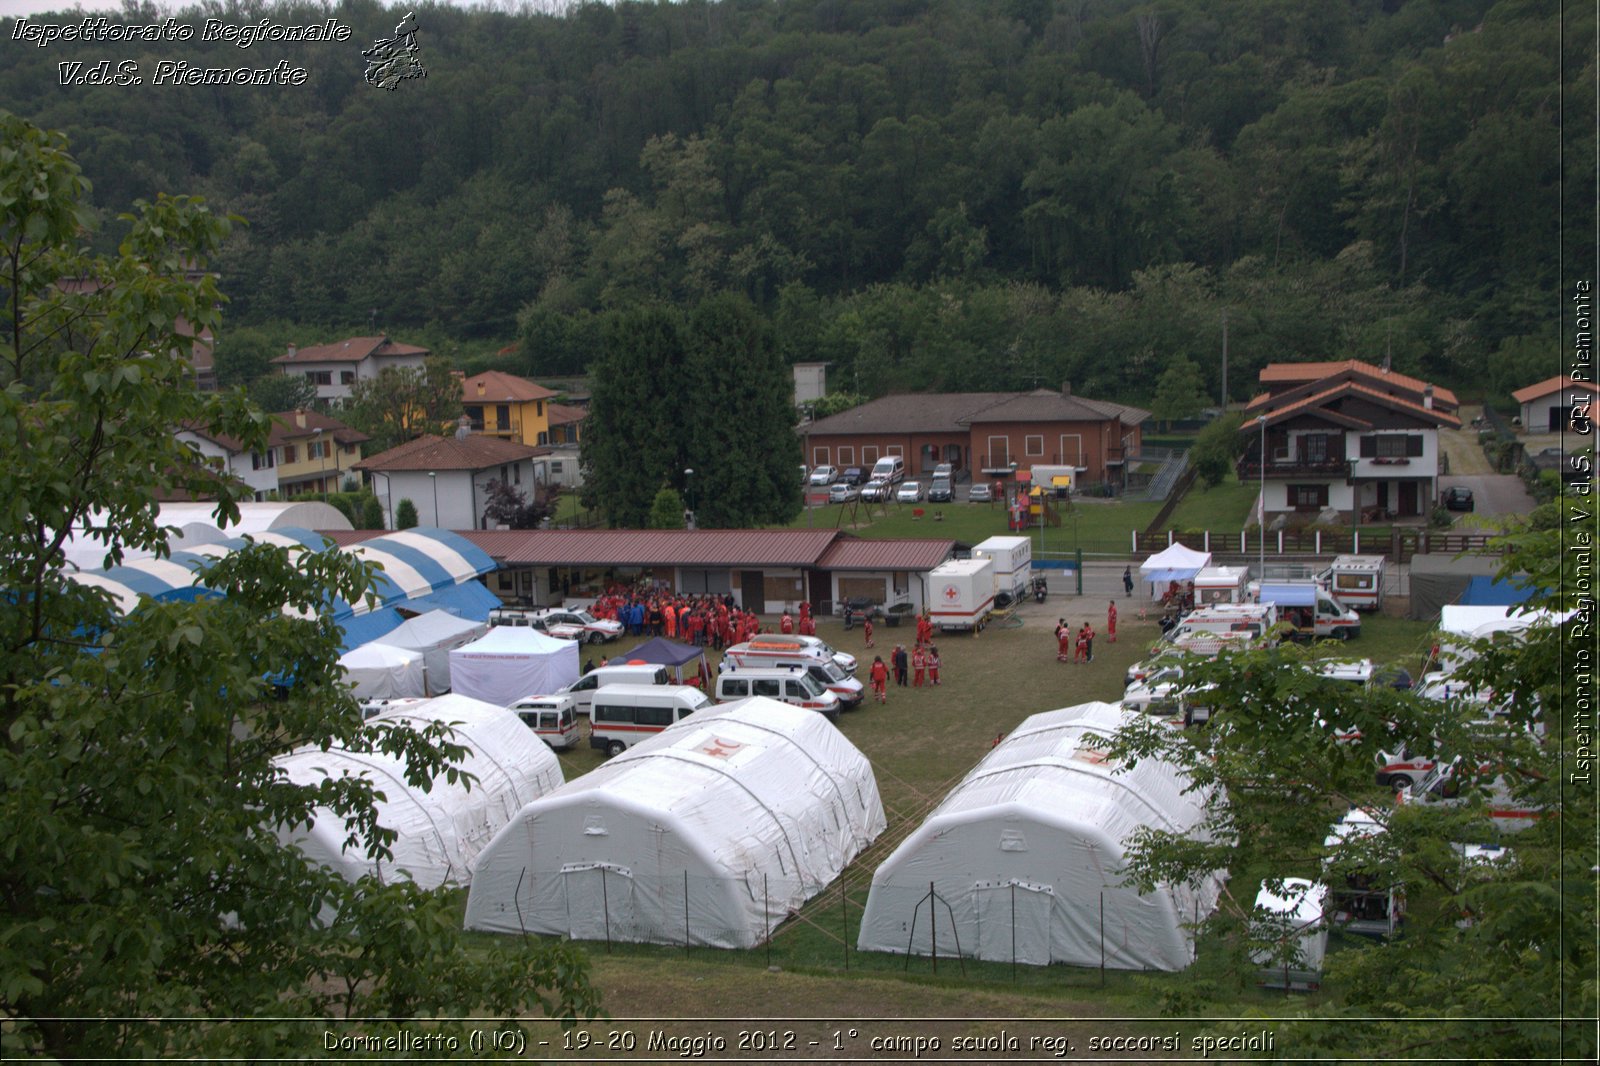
column 1013, row 566
column 961, row 594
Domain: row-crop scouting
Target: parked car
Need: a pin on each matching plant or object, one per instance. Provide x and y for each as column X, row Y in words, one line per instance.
column 852, row 476
column 824, row 475
column 1458, row 498
column 946, row 471
column 940, row 491
column 876, row 491
column 980, row 493
column 909, row 492
column 842, row 492
column 577, row 625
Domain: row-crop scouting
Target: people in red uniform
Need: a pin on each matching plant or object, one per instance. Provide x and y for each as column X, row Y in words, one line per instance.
column 1111, row 622
column 879, row 676
column 1063, row 641
column 1081, row 652
column 919, row 665
column 933, row 663
column 786, row 623
column 866, row 630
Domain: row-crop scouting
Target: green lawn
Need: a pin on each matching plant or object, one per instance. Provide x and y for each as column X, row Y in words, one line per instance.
column 1101, row 526
column 1228, row 507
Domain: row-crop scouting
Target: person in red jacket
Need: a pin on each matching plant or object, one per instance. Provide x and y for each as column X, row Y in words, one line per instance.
column 879, row 676
column 786, row 623
column 1111, row 622
column 919, row 665
column 933, row 663
column 866, row 630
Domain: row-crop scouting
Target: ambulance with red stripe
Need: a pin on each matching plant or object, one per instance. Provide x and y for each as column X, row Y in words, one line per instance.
column 623, row 715
column 793, row 685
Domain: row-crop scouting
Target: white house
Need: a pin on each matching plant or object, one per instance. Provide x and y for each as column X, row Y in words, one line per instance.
column 258, row 470
column 334, row 368
column 447, row 478
column 1557, row 403
column 1350, row 436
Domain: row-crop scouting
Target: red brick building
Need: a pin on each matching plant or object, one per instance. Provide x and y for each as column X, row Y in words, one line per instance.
column 982, row 433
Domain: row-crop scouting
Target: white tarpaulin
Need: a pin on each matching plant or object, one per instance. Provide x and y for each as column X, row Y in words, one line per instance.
column 379, row 671
column 443, row 830
column 435, row 635
column 1176, row 563
column 1025, row 856
column 511, row 662
column 710, row 833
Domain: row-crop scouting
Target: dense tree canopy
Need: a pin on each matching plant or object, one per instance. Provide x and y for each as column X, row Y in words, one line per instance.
column 143, row 873
column 927, row 194
column 1505, row 948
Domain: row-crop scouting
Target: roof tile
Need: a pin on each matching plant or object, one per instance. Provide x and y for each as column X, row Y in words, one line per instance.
column 428, row 452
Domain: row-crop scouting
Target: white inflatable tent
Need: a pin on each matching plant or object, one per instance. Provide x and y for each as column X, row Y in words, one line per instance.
column 709, row 833
column 381, row 671
column 435, row 635
column 1025, row 857
column 510, row 662
column 443, row 830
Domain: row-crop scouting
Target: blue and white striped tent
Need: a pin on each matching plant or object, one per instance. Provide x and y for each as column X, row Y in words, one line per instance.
column 417, row 565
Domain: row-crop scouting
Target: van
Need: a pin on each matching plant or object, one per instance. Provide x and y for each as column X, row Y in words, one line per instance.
column 890, row 468
column 582, row 690
column 793, row 686
column 624, row 715
column 770, row 647
column 1311, row 610
column 1221, row 584
column 551, row 718
column 1253, row 620
column 825, row 672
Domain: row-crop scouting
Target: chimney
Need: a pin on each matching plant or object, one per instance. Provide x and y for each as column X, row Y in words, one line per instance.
column 292, row 351
column 480, row 386
column 1427, row 397
column 1066, row 388
column 300, row 417
column 463, row 428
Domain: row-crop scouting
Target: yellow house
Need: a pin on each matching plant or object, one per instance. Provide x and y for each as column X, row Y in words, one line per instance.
column 314, row 452
column 506, row 406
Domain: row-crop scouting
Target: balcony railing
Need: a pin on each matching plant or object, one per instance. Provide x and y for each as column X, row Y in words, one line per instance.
column 1249, row 468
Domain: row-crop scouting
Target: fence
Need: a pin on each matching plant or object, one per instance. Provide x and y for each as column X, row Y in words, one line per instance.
column 1399, row 544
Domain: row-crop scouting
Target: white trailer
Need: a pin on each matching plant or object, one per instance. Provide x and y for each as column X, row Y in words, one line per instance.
column 1357, row 580
column 1222, row 584
column 961, row 593
column 1013, row 566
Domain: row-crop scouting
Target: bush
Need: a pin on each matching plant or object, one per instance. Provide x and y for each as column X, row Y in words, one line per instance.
column 371, row 514
column 1439, row 518
column 405, row 515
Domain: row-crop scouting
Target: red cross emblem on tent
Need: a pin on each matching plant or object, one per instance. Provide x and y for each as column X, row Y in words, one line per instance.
column 719, row 749
column 952, row 593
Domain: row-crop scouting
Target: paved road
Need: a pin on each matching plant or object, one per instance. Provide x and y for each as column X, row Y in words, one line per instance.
column 1494, row 494
column 1461, row 446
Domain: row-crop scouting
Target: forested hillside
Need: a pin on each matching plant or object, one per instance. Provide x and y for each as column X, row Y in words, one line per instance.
column 949, row 194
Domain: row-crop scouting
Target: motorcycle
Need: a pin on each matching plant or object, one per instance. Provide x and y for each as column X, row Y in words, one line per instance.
column 1041, row 589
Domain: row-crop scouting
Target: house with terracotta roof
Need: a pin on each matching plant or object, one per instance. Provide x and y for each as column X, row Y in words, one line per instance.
column 1357, row 438
column 566, row 423
column 314, row 452
column 1556, row 404
column 228, row 455
column 506, row 406
column 334, row 368
column 306, row 452
column 447, row 478
column 987, row 433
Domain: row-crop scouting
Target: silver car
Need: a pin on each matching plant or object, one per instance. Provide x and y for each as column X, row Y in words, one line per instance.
column 980, row 493
column 876, row 491
column 840, row 492
column 909, row 492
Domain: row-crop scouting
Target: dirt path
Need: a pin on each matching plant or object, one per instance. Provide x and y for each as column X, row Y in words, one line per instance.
column 1461, row 446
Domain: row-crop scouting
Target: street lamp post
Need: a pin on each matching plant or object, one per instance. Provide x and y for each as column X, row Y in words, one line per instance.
column 1261, row 506
column 688, row 490
column 433, row 479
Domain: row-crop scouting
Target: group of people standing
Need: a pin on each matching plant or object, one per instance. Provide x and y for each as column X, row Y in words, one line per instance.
column 921, row 663
column 708, row 621
column 1077, row 646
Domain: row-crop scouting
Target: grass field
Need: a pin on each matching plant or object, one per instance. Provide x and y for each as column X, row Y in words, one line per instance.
column 921, row 743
